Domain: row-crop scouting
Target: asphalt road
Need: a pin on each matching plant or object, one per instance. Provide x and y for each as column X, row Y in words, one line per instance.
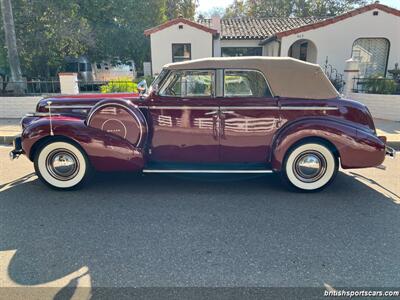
column 127, row 230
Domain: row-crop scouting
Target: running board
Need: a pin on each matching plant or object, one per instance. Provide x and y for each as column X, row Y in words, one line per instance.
column 208, row 171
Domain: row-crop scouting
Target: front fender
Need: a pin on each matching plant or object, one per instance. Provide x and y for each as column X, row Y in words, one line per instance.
column 356, row 148
column 106, row 152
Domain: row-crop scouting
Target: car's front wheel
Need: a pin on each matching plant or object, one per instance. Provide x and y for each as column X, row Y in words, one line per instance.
column 310, row 166
column 61, row 165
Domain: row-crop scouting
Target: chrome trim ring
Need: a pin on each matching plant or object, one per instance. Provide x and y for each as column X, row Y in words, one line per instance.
column 62, row 164
column 309, row 166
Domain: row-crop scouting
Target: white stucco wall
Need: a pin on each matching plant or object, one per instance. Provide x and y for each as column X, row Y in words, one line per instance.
column 385, row 107
column 271, row 49
column 336, row 40
column 17, row 107
column 161, row 44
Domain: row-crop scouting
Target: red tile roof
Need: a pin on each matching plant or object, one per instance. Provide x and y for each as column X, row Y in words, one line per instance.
column 177, row 21
column 257, row 28
column 336, row 19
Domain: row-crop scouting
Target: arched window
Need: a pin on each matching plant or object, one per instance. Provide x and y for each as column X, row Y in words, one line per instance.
column 372, row 55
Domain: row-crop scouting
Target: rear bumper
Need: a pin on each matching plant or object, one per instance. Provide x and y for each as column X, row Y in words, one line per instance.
column 391, row 152
column 17, row 151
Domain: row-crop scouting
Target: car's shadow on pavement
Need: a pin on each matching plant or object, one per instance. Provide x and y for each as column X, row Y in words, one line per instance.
column 158, row 230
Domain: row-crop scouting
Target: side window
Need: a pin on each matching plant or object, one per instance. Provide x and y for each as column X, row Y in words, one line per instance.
column 189, row 84
column 242, row 83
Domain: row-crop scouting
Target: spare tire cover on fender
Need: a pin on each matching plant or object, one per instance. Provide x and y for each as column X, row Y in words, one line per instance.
column 120, row 117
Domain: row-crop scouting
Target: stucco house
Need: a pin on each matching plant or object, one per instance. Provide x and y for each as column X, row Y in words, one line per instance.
column 370, row 34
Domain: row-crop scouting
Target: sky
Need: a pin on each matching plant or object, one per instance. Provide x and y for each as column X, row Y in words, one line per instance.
column 205, row 5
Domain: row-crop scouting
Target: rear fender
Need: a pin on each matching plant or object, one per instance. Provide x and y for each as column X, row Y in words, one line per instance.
column 356, row 149
column 106, row 152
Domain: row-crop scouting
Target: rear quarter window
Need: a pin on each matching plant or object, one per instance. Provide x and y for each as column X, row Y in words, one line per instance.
column 245, row 83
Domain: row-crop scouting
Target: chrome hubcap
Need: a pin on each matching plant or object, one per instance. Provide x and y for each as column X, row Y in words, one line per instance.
column 62, row 164
column 309, row 166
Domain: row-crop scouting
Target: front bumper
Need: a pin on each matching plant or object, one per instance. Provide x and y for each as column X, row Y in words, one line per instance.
column 17, row 151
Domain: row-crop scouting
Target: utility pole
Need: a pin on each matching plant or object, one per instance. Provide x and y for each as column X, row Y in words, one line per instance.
column 11, row 44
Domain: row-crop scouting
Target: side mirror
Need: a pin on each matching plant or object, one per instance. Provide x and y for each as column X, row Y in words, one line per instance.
column 142, row 87
column 154, row 89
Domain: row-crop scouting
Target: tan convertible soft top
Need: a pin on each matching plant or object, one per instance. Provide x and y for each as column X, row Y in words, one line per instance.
column 287, row 77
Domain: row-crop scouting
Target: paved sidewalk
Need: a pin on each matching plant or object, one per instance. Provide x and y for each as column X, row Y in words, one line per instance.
column 391, row 130
column 9, row 128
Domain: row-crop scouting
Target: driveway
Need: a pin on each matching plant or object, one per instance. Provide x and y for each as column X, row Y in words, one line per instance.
column 127, row 230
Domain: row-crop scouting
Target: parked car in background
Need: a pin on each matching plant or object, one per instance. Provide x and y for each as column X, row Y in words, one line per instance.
column 214, row 115
column 100, row 71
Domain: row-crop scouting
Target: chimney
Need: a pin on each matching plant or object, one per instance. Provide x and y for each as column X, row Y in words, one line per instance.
column 216, row 23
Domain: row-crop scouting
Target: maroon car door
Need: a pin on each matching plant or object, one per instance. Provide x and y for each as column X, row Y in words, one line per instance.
column 249, row 117
column 184, row 119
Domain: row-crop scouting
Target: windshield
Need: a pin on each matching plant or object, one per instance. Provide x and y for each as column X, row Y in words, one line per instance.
column 157, row 81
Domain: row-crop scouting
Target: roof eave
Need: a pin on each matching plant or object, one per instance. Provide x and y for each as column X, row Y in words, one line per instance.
column 268, row 40
column 339, row 18
column 172, row 22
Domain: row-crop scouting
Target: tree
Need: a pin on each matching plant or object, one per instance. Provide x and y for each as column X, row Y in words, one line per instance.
column 47, row 32
column 290, row 8
column 180, row 8
column 11, row 44
column 269, row 8
column 118, row 26
column 236, row 10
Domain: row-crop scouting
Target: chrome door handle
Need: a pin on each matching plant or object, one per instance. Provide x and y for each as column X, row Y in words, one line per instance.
column 228, row 112
column 211, row 113
column 215, row 127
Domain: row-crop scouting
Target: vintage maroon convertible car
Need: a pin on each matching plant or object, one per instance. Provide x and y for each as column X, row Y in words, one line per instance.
column 214, row 115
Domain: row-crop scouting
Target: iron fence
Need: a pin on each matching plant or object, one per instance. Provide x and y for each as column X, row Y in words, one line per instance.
column 112, row 86
column 32, row 87
column 376, row 85
column 40, row 87
column 334, row 76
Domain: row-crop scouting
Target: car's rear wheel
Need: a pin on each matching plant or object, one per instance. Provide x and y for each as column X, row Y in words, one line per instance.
column 310, row 166
column 62, row 165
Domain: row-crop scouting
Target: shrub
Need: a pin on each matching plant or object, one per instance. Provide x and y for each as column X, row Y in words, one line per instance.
column 379, row 85
column 119, row 85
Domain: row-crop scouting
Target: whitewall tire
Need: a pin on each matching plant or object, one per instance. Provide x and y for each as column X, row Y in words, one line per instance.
column 61, row 165
column 310, row 166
